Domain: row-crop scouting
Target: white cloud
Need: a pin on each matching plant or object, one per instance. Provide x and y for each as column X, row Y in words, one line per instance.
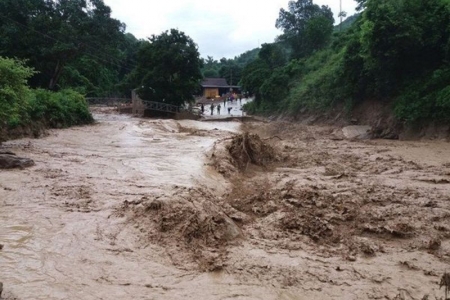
column 220, row 28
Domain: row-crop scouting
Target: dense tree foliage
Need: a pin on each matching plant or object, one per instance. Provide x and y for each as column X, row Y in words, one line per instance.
column 403, row 58
column 230, row 69
column 306, row 26
column 361, row 4
column 410, row 46
column 254, row 76
column 394, row 51
column 263, row 77
column 168, row 68
column 14, row 92
column 22, row 107
column 210, row 67
column 70, row 43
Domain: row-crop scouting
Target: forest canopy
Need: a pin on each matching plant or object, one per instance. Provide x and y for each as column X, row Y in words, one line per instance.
column 168, row 68
column 70, row 43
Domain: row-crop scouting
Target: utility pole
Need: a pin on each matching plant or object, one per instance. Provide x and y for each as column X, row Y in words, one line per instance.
column 231, row 75
column 342, row 14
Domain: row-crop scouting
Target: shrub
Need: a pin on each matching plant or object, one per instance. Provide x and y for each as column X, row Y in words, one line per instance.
column 60, row 109
column 21, row 106
column 321, row 86
column 426, row 99
column 14, row 92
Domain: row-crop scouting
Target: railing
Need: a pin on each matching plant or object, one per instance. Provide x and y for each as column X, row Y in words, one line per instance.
column 108, row 101
column 161, row 106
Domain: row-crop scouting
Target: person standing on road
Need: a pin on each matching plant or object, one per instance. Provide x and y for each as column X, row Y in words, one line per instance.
column 218, row 109
column 229, row 110
column 212, row 109
column 203, row 109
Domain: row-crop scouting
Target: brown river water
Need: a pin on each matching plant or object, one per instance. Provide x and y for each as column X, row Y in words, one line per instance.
column 55, row 217
column 336, row 219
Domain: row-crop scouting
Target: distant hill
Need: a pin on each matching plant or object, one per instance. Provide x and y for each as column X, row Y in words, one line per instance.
column 247, row 57
column 347, row 22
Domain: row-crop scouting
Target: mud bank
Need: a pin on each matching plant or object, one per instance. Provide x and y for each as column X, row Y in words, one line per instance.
column 379, row 116
column 139, row 209
column 35, row 130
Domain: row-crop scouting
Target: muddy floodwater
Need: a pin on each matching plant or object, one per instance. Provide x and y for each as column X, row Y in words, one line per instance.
column 331, row 219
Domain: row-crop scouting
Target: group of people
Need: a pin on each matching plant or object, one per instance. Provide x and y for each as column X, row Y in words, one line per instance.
column 230, row 98
column 212, row 109
column 218, row 107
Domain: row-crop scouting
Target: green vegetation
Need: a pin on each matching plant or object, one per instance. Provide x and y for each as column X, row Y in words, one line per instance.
column 22, row 107
column 230, row 69
column 14, row 92
column 347, row 23
column 306, row 27
column 395, row 51
column 71, row 44
column 168, row 68
column 59, row 109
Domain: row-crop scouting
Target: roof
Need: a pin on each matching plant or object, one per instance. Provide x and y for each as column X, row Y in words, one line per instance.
column 215, row 83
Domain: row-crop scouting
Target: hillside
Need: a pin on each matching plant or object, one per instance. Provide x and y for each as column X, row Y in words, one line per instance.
column 347, row 23
column 389, row 71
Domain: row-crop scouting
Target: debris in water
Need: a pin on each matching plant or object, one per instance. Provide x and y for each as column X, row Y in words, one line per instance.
column 249, row 148
column 445, row 282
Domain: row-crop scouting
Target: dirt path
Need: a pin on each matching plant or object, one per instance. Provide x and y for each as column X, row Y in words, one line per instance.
column 133, row 209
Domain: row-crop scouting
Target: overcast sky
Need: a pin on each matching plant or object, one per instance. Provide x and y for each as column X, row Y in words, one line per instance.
column 221, row 28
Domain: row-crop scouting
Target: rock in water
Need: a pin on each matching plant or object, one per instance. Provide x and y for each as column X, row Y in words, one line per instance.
column 360, row 132
column 6, row 152
column 11, row 161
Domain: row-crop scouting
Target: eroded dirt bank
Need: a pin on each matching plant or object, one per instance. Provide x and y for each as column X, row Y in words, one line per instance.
column 137, row 209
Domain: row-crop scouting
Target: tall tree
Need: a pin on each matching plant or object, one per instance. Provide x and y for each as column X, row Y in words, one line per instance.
column 230, row 70
column 53, row 34
column 264, row 76
column 254, row 76
column 273, row 55
column 210, row 67
column 411, row 45
column 168, row 68
column 361, row 4
column 14, row 92
column 306, row 26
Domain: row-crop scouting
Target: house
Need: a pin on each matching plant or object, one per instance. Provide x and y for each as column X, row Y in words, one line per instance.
column 216, row 87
